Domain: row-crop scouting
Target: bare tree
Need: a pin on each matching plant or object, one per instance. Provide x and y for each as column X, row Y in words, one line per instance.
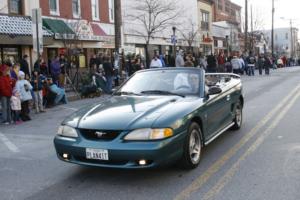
column 154, row 16
column 189, row 32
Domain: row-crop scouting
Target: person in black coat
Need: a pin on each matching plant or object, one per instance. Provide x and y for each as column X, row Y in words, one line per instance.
column 211, row 64
column 109, row 72
column 24, row 66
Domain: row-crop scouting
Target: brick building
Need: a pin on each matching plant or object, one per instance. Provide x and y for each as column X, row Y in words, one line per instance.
column 80, row 27
column 225, row 10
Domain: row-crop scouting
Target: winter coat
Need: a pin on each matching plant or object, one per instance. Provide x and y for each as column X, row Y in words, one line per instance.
column 39, row 85
column 24, row 67
column 6, row 86
column 24, row 88
column 179, row 61
column 55, row 67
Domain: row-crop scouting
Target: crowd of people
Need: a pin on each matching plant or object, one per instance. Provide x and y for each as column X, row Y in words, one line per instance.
column 235, row 63
column 22, row 91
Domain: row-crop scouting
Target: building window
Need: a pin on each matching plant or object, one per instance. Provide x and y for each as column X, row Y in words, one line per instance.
column 54, row 7
column 76, row 8
column 216, row 43
column 15, row 7
column 220, row 5
column 205, row 20
column 227, row 7
column 111, row 11
column 95, row 9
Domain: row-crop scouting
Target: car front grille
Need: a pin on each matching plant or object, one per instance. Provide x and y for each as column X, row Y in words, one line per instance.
column 99, row 134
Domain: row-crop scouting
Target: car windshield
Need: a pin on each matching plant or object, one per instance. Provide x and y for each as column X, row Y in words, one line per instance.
column 164, row 82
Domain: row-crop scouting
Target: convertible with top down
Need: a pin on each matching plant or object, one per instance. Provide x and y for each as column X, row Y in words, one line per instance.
column 156, row 118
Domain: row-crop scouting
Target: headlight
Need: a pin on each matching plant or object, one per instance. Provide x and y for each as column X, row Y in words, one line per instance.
column 67, row 131
column 149, row 134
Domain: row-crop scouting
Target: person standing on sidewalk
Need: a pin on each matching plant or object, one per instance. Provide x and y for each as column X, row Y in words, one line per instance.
column 15, row 103
column 268, row 65
column 251, row 60
column 221, row 62
column 24, row 66
column 55, row 69
column 37, row 82
column 260, row 63
column 109, row 72
column 6, row 85
column 24, row 88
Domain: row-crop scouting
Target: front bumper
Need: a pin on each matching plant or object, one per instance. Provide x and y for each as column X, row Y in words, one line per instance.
column 122, row 154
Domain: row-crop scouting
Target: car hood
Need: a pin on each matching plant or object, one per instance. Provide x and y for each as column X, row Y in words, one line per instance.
column 123, row 112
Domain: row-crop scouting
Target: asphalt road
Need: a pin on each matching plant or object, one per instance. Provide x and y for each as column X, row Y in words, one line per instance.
column 259, row 162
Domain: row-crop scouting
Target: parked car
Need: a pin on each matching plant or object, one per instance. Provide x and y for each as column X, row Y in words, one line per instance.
column 157, row 117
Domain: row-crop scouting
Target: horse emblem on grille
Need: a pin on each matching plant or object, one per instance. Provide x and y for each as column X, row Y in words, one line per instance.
column 100, row 134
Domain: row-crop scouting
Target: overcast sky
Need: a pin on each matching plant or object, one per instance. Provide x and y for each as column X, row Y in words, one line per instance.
column 262, row 9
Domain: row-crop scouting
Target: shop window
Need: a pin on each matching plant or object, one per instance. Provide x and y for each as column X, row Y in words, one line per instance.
column 76, row 8
column 95, row 10
column 15, row 7
column 54, row 7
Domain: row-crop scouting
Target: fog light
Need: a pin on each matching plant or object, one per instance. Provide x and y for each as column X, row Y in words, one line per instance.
column 65, row 156
column 142, row 162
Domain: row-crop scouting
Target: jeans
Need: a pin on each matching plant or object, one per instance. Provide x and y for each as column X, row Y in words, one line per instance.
column 6, row 110
column 109, row 80
column 38, row 99
column 251, row 70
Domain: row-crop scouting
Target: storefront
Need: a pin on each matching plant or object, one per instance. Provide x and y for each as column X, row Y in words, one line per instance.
column 16, row 39
column 78, row 39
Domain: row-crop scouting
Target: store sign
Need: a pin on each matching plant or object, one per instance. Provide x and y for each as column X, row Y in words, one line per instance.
column 207, row 39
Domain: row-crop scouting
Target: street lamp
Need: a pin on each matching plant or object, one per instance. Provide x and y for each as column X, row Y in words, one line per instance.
column 174, row 40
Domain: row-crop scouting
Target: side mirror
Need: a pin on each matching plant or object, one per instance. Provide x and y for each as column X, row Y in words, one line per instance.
column 214, row 90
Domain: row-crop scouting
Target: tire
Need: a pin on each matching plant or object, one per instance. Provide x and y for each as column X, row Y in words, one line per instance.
column 238, row 119
column 193, row 143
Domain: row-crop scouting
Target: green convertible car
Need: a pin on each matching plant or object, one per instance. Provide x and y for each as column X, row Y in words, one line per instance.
column 157, row 117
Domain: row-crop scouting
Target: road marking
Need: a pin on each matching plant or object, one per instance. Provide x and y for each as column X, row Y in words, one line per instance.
column 216, row 166
column 8, row 143
column 232, row 171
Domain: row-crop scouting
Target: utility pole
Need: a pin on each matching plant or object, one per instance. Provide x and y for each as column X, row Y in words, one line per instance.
column 252, row 34
column 118, row 37
column 246, row 26
column 272, row 32
column 292, row 42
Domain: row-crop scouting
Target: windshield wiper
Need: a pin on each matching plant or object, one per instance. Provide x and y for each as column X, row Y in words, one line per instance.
column 127, row 93
column 162, row 92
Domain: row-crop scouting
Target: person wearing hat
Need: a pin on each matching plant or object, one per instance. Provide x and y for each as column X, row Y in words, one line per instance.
column 6, row 86
column 24, row 88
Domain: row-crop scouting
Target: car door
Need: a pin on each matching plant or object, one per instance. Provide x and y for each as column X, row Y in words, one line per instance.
column 217, row 111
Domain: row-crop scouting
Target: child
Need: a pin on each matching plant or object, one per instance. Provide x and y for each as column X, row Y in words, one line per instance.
column 6, row 85
column 24, row 88
column 37, row 84
column 15, row 103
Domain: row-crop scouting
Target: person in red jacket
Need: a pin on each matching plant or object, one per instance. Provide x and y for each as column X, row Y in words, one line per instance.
column 6, row 87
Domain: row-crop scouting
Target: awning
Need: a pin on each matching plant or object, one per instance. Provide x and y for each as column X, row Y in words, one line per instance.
column 60, row 29
column 98, row 30
column 18, row 26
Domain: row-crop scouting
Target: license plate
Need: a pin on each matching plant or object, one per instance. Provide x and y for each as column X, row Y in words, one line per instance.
column 96, row 154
